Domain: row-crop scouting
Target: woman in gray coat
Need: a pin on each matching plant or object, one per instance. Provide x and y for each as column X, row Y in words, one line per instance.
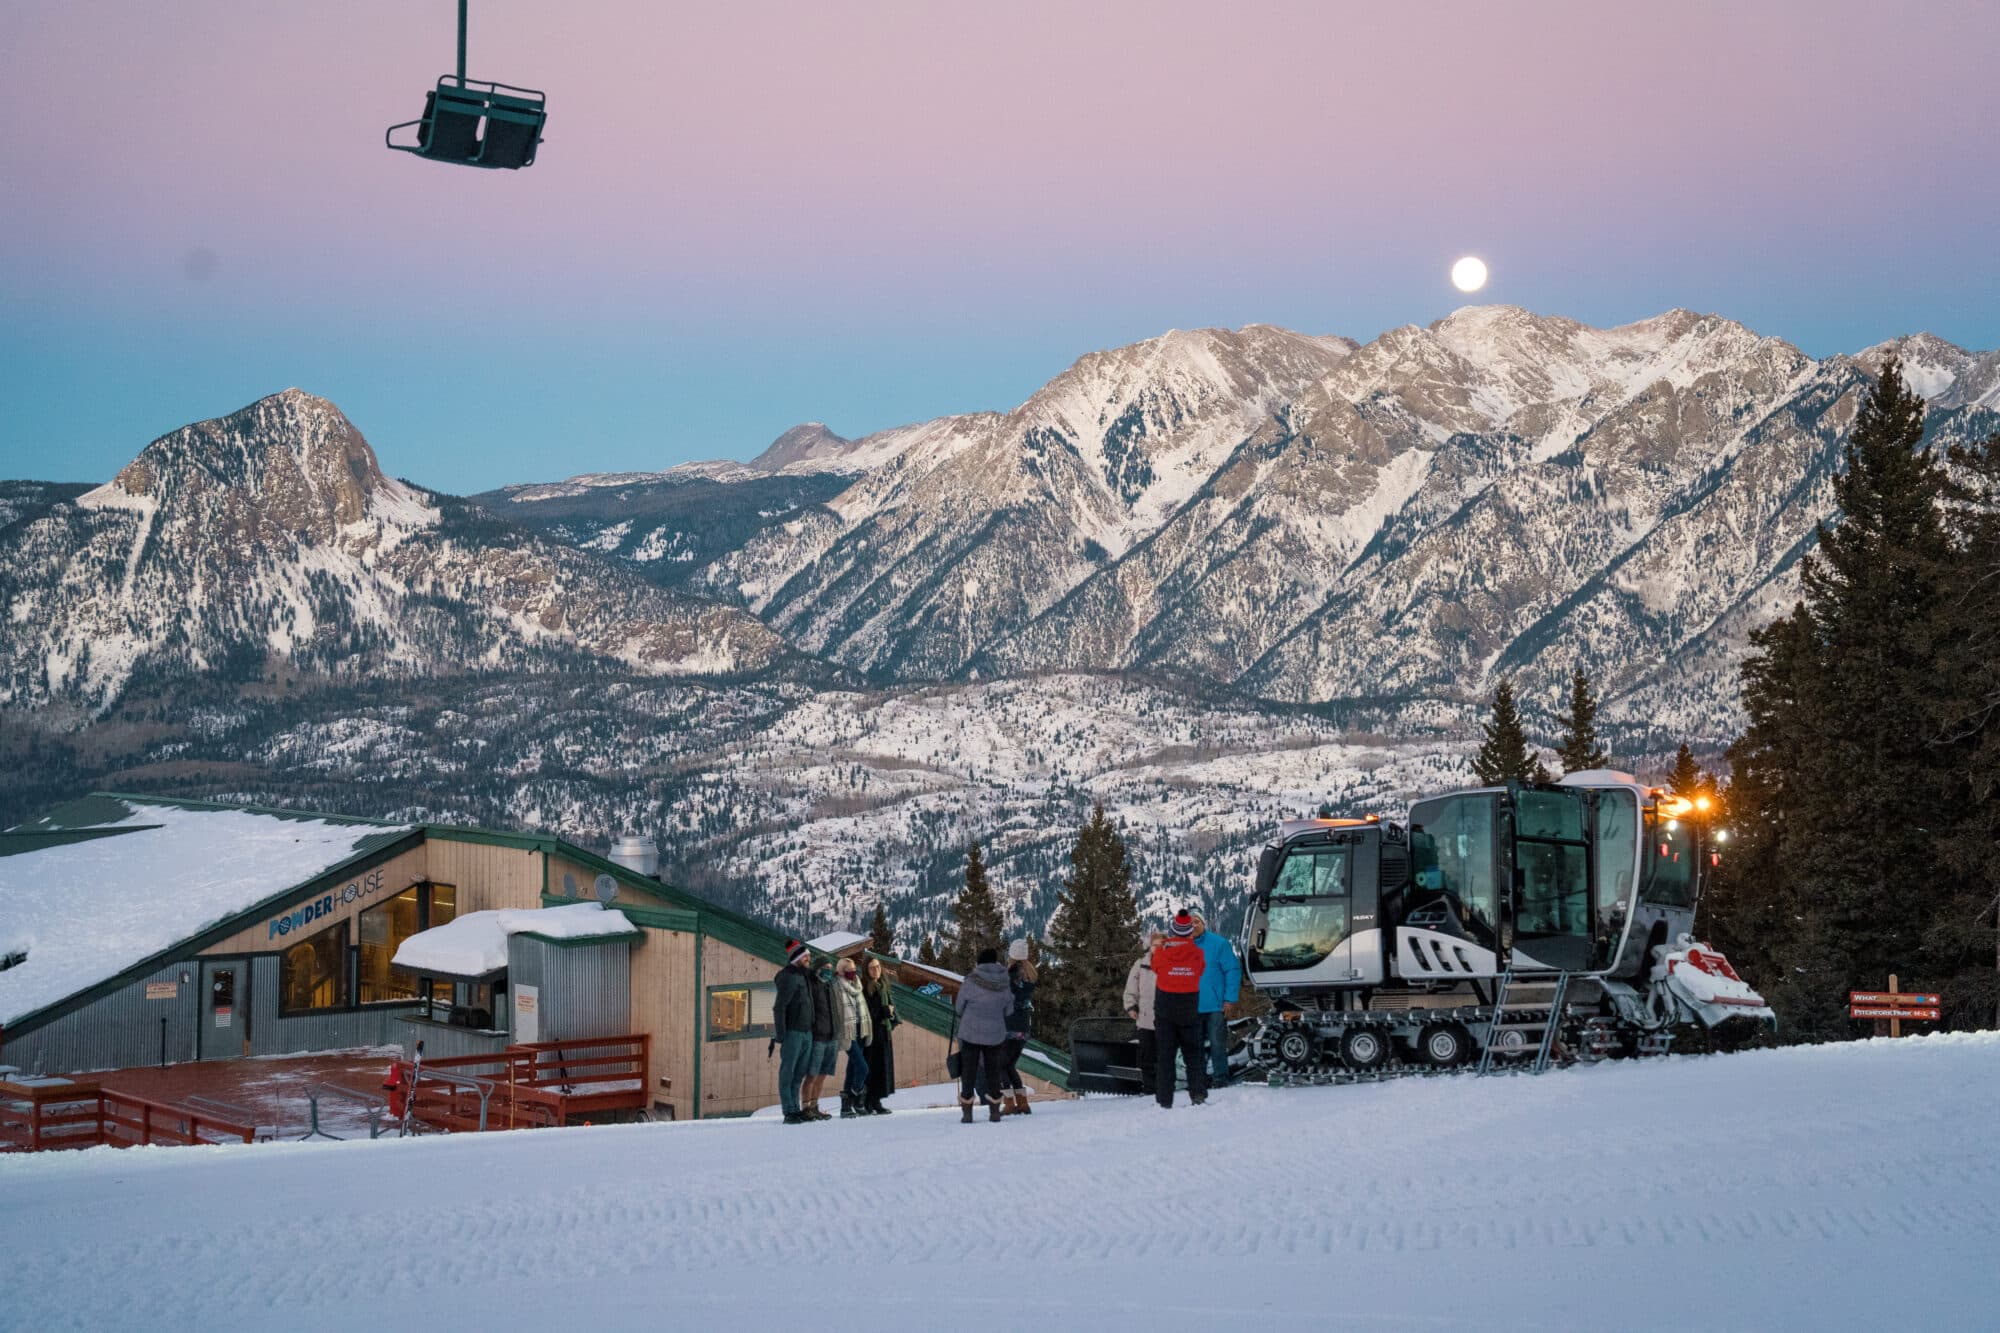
column 985, row 999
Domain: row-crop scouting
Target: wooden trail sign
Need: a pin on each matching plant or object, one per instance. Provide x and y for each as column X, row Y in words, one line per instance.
column 1895, row 1005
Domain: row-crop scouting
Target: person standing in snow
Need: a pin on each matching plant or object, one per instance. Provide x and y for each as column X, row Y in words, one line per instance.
column 1021, row 977
column 985, row 1000
column 825, row 1055
column 882, row 1022
column 792, row 1021
column 1139, row 989
column 1177, row 967
column 1221, row 987
column 855, row 1028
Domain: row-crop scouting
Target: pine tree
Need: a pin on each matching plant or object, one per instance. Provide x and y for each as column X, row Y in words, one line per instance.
column 882, row 935
column 1686, row 779
column 1094, row 935
column 1504, row 756
column 976, row 920
column 927, row 953
column 1579, row 749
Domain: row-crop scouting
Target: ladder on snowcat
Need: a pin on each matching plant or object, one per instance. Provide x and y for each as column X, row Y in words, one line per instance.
column 1543, row 1028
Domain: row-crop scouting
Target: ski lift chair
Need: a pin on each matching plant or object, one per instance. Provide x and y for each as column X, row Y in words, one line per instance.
column 476, row 123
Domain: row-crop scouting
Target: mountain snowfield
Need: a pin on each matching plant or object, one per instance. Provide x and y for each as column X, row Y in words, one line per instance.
column 1210, row 579
column 1831, row 1188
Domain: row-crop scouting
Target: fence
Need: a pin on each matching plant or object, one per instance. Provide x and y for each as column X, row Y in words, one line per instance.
column 41, row 1118
column 537, row 1084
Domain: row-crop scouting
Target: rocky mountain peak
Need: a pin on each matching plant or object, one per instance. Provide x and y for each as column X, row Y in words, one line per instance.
column 808, row 442
column 288, row 465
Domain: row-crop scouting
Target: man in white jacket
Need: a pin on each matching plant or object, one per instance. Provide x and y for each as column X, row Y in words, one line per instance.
column 1140, row 986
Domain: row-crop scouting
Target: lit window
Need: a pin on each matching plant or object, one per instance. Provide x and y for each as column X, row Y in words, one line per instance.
column 386, row 925
column 312, row 974
column 737, row 1013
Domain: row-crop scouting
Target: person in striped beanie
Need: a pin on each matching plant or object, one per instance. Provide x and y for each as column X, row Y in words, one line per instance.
column 1178, row 963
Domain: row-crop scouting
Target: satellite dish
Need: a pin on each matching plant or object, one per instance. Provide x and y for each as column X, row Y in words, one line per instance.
column 569, row 886
column 607, row 889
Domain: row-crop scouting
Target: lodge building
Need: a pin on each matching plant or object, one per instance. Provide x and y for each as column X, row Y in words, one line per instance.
column 137, row 930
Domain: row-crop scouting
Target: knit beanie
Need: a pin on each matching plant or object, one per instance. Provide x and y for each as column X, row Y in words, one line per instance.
column 795, row 951
column 1183, row 926
column 1018, row 950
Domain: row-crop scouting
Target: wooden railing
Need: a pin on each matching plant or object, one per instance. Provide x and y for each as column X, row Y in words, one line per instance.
column 81, row 1114
column 539, row 1084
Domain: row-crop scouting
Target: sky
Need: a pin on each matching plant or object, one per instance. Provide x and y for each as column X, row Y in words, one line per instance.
column 749, row 215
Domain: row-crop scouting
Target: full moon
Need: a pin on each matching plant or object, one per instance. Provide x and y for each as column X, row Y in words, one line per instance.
column 1469, row 274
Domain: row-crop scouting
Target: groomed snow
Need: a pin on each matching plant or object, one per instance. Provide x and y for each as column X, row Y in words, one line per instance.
column 88, row 910
column 1829, row 1188
column 476, row 943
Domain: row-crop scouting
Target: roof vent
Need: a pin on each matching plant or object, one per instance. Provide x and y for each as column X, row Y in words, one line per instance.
column 637, row 854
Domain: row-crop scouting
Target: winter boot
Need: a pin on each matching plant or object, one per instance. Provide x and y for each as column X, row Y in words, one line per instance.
column 993, row 1109
column 875, row 1105
column 795, row 1117
column 1021, row 1102
column 965, row 1107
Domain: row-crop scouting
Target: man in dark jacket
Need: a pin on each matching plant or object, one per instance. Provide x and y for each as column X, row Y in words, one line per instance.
column 825, row 1049
column 793, row 1030
column 1177, row 967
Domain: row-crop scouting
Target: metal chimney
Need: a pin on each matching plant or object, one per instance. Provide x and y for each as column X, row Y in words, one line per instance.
column 636, row 853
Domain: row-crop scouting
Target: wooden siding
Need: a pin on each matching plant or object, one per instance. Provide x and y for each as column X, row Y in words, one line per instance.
column 396, row 875
column 486, row 876
column 736, row 1076
column 663, row 1004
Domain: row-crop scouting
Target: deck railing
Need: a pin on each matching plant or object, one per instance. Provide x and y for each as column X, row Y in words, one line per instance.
column 82, row 1114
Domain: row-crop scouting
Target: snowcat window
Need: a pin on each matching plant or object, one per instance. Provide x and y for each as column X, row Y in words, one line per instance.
column 1617, row 856
column 1313, row 872
column 1307, row 918
column 1555, row 889
column 1453, row 865
column 1670, row 863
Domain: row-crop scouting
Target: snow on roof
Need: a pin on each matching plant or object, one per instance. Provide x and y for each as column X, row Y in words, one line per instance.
column 86, row 911
column 476, row 944
column 934, row 971
column 838, row 940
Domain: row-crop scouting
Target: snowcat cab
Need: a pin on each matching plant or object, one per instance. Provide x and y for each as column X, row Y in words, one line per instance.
column 1529, row 919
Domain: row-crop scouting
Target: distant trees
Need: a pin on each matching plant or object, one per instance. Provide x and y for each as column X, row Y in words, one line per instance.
column 1864, row 785
column 1094, row 935
column 1579, row 749
column 1504, row 755
column 881, row 934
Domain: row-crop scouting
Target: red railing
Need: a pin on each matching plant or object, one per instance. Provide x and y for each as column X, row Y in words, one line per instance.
column 82, row 1114
column 538, row 1084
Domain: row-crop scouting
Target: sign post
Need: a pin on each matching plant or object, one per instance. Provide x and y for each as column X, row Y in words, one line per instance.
column 1895, row 1005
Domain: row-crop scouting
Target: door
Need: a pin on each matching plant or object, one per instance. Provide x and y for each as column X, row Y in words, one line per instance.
column 1301, row 930
column 1553, row 879
column 224, row 1027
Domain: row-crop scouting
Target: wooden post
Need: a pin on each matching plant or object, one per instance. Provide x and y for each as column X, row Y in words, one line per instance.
column 1895, row 1024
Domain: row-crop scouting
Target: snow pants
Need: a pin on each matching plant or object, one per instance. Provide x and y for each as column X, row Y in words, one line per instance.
column 1179, row 1027
column 980, row 1069
column 1149, row 1061
column 794, row 1054
column 857, row 1069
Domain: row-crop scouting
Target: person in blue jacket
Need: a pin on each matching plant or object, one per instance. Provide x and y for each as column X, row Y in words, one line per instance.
column 1221, row 986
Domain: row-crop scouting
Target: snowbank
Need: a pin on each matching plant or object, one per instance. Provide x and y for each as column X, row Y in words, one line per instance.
column 1827, row 1188
column 86, row 911
column 476, row 943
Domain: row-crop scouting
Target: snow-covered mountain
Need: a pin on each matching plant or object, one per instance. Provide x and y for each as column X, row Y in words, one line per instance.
column 1307, row 519
column 272, row 536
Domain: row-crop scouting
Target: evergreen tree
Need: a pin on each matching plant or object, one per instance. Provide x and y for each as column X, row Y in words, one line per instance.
column 1846, row 785
column 927, row 953
column 1094, row 935
column 882, row 935
column 1504, row 756
column 1686, row 779
column 1579, row 749
column 976, row 920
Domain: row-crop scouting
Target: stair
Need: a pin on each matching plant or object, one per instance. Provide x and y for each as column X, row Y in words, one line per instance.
column 1532, row 1006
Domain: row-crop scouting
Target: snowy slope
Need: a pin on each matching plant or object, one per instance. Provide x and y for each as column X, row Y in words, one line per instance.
column 1827, row 1188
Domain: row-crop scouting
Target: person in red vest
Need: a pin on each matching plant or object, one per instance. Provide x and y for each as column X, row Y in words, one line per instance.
column 1178, row 963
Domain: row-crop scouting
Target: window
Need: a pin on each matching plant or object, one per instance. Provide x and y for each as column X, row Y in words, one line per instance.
column 1453, row 859
column 386, row 925
column 736, row 1013
column 312, row 974
column 1313, row 872
column 1670, row 863
column 1307, row 916
column 1617, row 854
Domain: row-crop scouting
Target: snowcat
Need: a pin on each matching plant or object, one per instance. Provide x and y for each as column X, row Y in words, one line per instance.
column 1503, row 926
